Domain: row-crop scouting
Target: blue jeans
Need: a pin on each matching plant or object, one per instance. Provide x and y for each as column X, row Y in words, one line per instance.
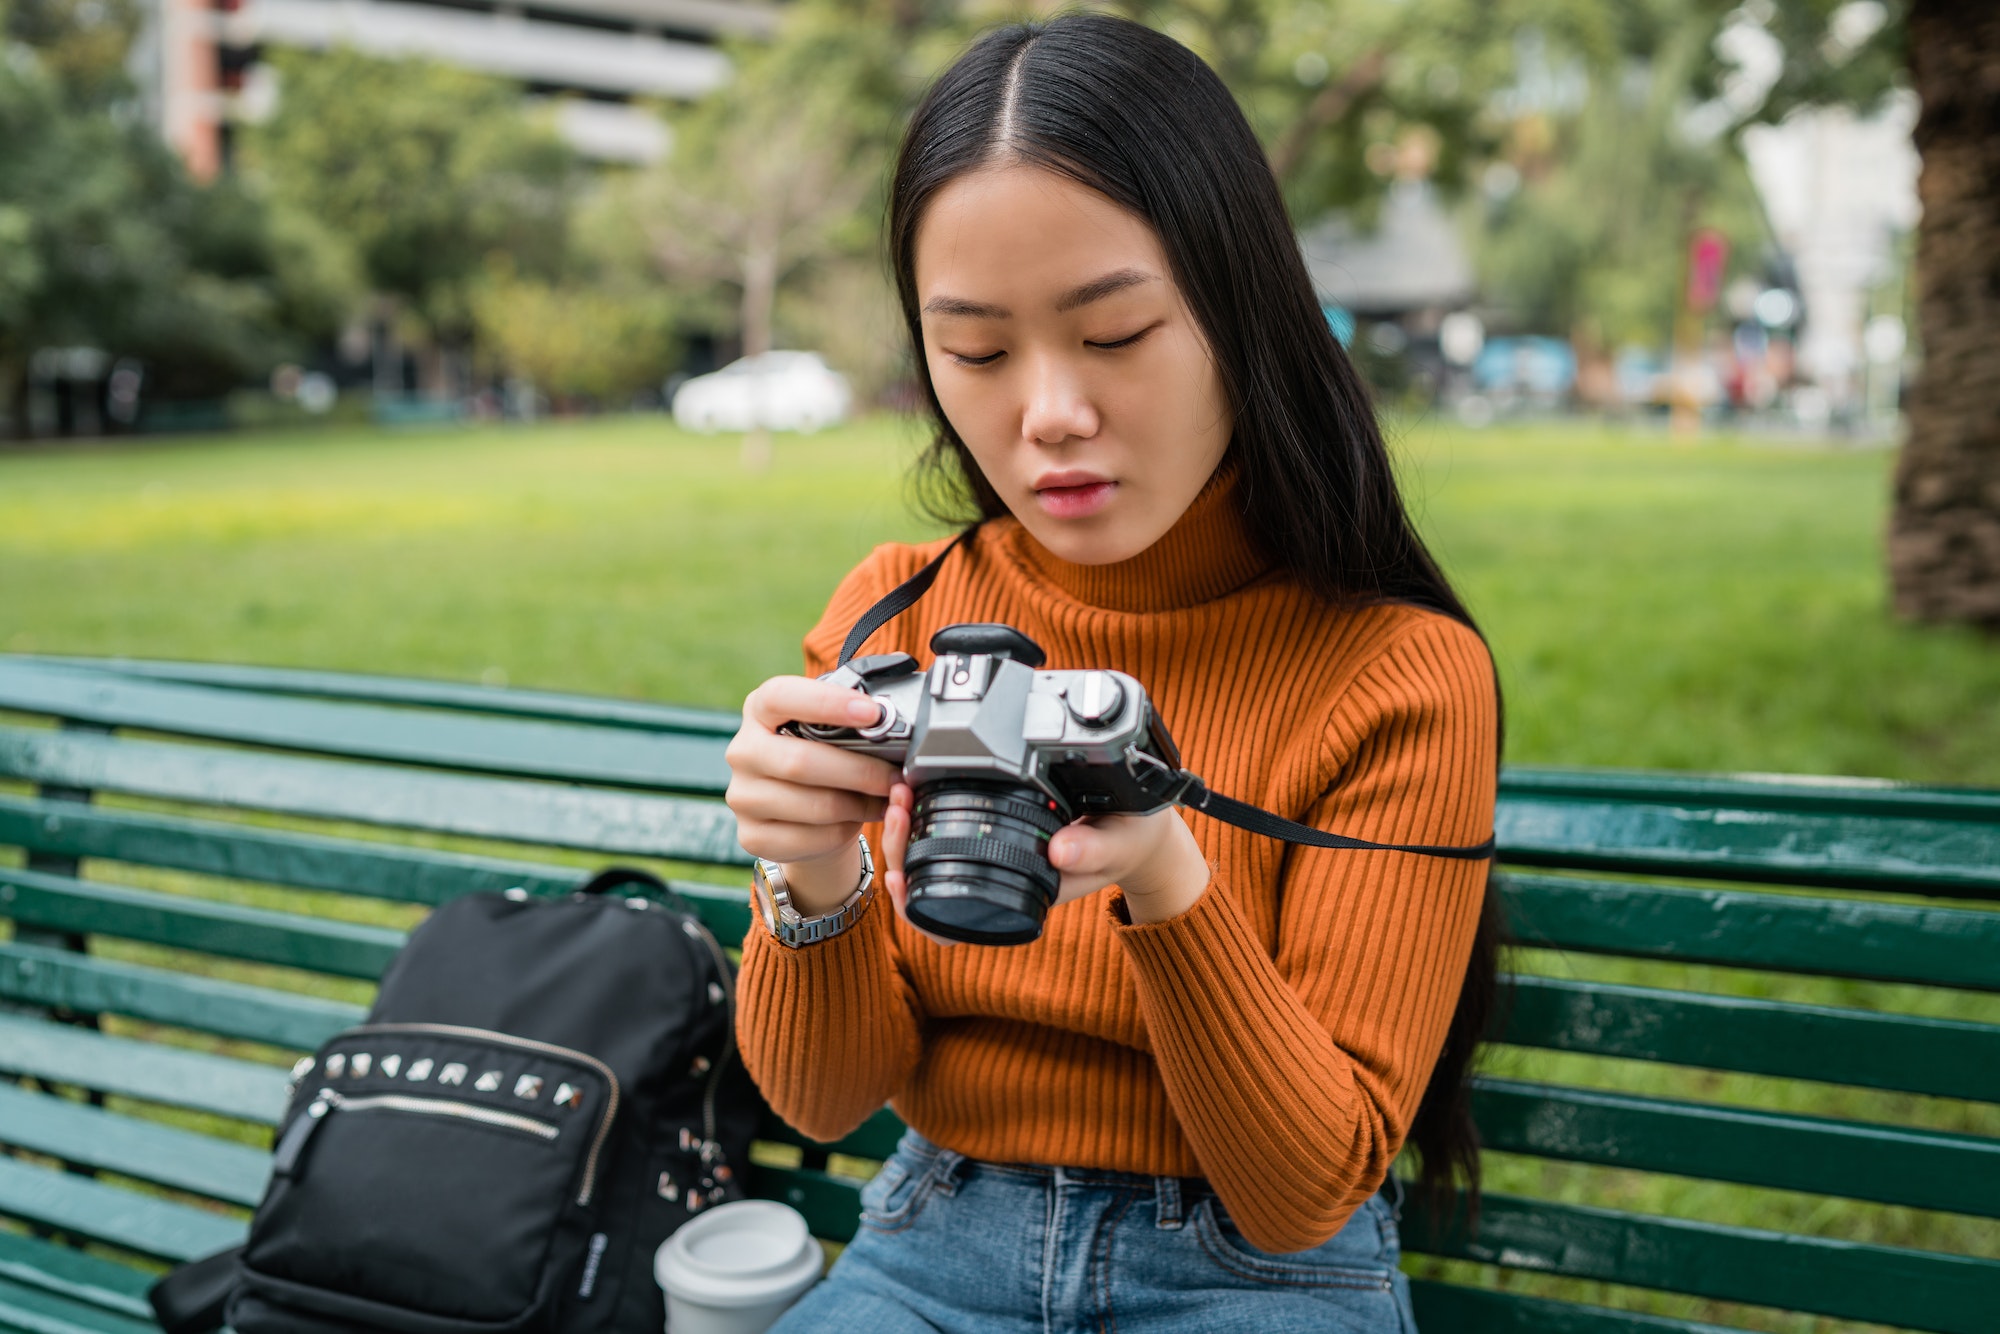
column 950, row 1243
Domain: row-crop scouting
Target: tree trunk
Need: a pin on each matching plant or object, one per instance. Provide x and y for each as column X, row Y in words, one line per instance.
column 760, row 300
column 1944, row 534
column 1333, row 102
column 13, row 398
column 760, row 290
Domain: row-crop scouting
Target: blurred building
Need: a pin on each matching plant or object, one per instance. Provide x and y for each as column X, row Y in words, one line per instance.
column 1388, row 289
column 1841, row 193
column 1412, row 262
column 199, row 60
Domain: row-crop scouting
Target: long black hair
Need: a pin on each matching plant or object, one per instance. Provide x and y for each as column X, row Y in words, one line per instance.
column 1137, row 117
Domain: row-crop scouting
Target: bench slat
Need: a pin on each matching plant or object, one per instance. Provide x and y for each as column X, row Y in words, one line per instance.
column 33, row 1263
column 269, row 856
column 345, row 949
column 510, row 702
column 621, row 756
column 109, row 1214
column 1449, row 1308
column 1924, row 1169
column 831, row 1204
column 1805, row 794
column 229, row 1009
column 92, row 1137
column 37, row 1311
column 500, row 808
column 1943, row 1057
column 66, row 1054
column 1848, row 1280
column 1886, row 942
column 310, row 861
column 1707, row 840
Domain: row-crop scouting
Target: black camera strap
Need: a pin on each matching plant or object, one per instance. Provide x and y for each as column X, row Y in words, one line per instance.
column 1187, row 789
column 898, row 599
column 1260, row 821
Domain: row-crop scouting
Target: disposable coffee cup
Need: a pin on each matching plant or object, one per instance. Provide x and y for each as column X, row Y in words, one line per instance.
column 735, row 1268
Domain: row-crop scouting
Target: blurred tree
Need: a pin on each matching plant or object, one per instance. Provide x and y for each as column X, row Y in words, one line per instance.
column 762, row 181
column 1575, row 238
column 771, row 200
column 425, row 172
column 590, row 340
column 81, row 44
column 1335, row 86
column 104, row 241
column 753, row 193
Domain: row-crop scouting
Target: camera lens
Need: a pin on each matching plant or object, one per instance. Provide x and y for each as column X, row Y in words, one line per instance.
column 978, row 863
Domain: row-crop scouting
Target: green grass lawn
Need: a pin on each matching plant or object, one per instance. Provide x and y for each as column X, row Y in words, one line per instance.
column 1719, row 606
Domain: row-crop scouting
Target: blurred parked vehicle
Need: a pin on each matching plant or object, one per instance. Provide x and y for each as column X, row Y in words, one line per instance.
column 1536, row 369
column 1642, row 377
column 780, row 391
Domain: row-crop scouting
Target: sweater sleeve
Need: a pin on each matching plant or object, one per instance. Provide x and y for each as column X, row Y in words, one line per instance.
column 831, row 1031
column 1295, row 1073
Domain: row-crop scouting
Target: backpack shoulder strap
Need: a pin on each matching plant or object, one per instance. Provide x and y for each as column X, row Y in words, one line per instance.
column 613, row 878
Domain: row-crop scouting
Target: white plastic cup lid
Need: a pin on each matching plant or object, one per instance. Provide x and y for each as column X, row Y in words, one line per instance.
column 741, row 1254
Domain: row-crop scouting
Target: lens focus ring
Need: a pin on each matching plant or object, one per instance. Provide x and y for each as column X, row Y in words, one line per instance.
column 988, row 850
column 984, row 805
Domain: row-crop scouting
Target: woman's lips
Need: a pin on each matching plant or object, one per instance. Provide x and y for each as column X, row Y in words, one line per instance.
column 1074, row 502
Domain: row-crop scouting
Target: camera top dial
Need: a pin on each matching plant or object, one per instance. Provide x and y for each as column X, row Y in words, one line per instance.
column 1095, row 699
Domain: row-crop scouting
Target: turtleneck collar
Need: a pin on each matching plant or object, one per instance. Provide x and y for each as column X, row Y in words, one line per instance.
column 1205, row 555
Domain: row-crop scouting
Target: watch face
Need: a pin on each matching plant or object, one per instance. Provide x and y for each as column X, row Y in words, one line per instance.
column 760, row 890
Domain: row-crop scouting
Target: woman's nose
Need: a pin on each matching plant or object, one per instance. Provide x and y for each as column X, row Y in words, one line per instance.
column 1058, row 408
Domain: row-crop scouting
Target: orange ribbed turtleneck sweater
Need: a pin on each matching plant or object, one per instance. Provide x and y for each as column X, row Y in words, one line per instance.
column 1276, row 1037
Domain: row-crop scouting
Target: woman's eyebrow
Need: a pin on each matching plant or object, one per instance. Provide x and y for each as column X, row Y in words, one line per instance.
column 1094, row 290
column 966, row 308
column 1099, row 288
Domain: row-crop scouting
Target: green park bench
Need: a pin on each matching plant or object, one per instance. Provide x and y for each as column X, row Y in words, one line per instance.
column 189, row 836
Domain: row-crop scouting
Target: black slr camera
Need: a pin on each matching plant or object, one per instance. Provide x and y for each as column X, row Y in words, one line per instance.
column 1000, row 755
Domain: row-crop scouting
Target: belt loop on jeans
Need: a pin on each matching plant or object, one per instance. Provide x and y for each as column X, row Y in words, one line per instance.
column 1167, row 1203
column 1392, row 1189
column 947, row 1170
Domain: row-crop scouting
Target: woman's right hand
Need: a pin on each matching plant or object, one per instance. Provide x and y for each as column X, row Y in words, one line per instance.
column 802, row 803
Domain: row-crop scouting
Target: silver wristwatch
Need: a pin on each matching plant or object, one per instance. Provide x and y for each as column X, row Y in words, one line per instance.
column 774, row 901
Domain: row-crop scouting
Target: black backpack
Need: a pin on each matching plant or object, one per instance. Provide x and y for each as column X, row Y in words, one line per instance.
column 542, row 1092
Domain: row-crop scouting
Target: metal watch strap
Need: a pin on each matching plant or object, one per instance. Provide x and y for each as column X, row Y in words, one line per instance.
column 788, row 927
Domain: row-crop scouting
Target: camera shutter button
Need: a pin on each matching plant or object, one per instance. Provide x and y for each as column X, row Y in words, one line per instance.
column 882, row 726
column 1095, row 698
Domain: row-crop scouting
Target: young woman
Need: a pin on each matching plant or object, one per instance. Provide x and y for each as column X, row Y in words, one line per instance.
column 1177, row 1109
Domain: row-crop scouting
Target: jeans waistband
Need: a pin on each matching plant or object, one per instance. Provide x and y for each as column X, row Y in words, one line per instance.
column 1175, row 1194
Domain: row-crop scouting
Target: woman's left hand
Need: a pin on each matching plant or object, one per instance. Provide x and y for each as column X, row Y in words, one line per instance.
column 1154, row 859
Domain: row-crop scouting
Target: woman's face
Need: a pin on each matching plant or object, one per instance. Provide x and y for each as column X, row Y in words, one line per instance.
column 1066, row 359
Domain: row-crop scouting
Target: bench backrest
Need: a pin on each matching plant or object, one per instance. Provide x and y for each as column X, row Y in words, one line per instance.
column 217, row 861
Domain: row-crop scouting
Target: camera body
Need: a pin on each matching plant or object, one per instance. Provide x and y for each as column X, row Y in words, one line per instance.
column 1000, row 755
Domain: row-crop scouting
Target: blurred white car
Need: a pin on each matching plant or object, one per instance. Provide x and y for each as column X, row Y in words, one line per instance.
column 782, row 391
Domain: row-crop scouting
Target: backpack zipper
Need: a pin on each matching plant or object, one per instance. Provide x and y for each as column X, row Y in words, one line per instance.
column 714, row 1084
column 465, row 1111
column 486, row 1035
column 291, row 1145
